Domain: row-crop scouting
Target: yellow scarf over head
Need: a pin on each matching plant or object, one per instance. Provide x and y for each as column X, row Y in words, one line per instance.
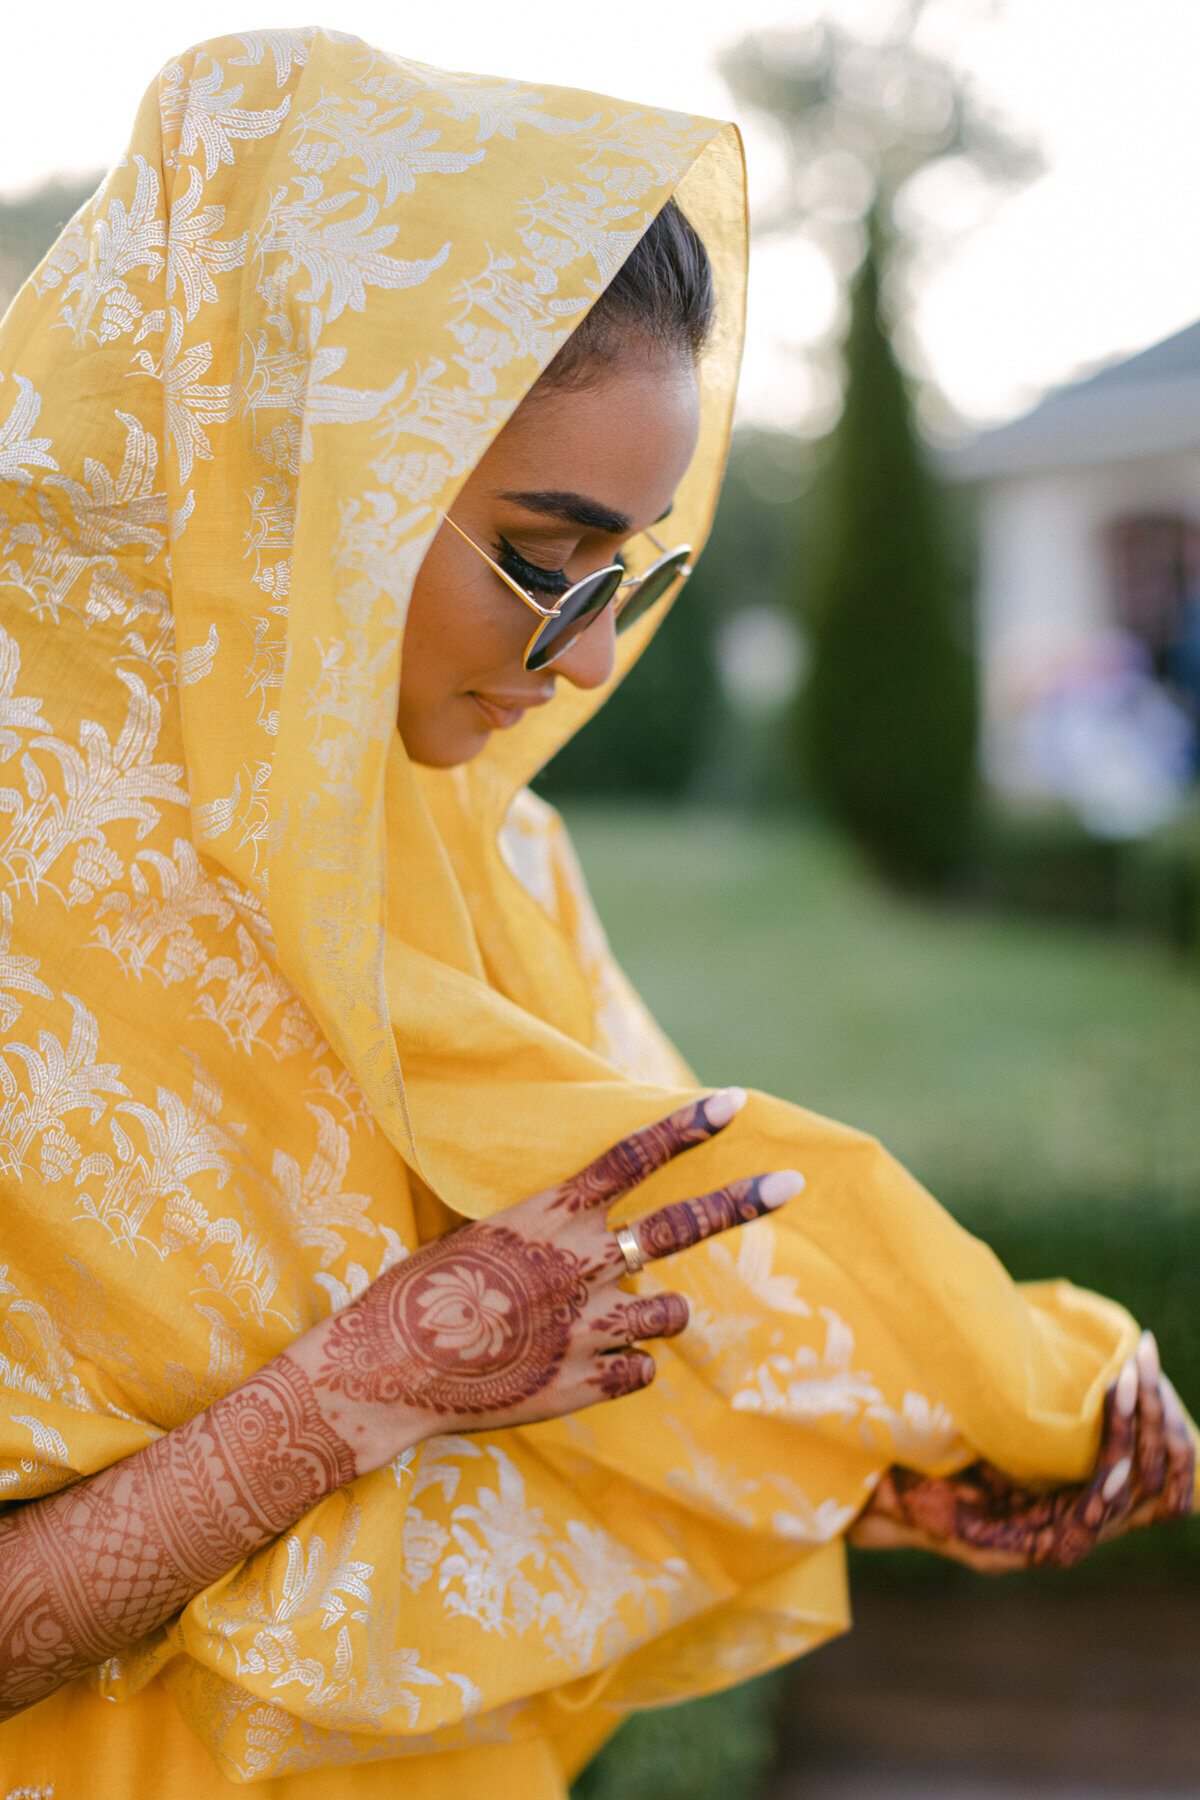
column 279, row 1004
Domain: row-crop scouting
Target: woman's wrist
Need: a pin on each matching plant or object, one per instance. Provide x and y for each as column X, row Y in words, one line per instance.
column 372, row 1432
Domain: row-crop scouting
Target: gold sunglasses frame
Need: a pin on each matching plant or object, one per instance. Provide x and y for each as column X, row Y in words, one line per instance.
column 546, row 613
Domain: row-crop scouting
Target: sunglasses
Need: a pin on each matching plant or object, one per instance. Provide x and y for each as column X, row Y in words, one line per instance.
column 564, row 623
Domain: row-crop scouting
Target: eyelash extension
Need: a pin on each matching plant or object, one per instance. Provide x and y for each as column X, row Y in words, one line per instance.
column 551, row 582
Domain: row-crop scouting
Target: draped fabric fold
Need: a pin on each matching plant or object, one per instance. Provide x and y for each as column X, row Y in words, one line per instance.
column 278, row 1004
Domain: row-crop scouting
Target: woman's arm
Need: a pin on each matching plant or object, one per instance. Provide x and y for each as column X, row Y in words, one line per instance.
column 1144, row 1473
column 504, row 1322
column 89, row 1570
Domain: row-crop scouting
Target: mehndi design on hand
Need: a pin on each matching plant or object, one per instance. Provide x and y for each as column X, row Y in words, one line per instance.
column 1145, row 1472
column 505, row 1321
column 647, row 1316
column 477, row 1324
column 687, row 1222
column 510, row 1322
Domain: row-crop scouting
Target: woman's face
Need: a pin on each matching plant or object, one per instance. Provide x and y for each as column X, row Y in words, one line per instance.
column 572, row 477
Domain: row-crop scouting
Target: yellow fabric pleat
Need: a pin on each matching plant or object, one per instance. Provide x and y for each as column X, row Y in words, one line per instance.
column 276, row 1003
column 76, row 1746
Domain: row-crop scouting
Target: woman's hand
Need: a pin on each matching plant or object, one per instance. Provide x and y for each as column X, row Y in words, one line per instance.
column 1145, row 1473
column 520, row 1317
column 513, row 1319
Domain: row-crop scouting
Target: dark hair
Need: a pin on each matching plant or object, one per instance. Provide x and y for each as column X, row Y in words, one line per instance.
column 662, row 294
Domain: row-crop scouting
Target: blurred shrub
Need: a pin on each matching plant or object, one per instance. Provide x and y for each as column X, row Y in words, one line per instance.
column 1160, row 884
column 888, row 719
column 1047, row 863
column 718, row 1748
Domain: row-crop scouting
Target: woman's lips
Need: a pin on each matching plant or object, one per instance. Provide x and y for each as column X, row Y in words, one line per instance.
column 500, row 715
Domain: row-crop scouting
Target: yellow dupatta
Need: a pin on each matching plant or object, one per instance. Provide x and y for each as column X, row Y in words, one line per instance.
column 280, row 1004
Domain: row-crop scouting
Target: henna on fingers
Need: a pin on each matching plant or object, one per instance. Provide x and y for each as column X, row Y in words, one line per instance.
column 90, row 1570
column 623, row 1372
column 479, row 1323
column 640, row 1154
column 647, row 1316
column 1149, row 1472
column 1145, row 1472
column 687, row 1222
column 1178, row 1494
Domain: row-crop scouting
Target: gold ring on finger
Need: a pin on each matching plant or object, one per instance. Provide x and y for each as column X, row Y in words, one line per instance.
column 630, row 1248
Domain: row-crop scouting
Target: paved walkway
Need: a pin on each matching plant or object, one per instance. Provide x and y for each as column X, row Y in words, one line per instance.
column 957, row 1787
column 995, row 1692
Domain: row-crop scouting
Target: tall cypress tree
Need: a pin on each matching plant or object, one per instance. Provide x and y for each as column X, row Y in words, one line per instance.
column 888, row 719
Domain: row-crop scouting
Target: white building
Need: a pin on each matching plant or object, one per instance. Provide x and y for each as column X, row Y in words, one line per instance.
column 1089, row 603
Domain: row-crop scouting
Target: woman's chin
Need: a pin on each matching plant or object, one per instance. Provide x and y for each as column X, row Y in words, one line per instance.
column 444, row 749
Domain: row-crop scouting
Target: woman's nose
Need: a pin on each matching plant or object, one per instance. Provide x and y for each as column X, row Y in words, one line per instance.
column 589, row 661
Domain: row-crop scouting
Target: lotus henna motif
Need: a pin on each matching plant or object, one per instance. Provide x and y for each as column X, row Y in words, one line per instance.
column 464, row 1314
column 477, row 1324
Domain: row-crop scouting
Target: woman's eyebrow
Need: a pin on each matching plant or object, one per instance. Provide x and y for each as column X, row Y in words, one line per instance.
column 577, row 509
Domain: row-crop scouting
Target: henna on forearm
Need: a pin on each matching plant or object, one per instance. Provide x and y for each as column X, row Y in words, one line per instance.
column 90, row 1570
column 478, row 1324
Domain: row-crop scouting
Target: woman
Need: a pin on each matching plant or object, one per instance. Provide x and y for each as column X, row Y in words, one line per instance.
column 311, row 440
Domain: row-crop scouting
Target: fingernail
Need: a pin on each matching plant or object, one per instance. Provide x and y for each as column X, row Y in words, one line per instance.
column 783, row 1185
column 1118, row 1475
column 720, row 1107
column 1172, row 1404
column 1127, row 1388
column 1147, row 1357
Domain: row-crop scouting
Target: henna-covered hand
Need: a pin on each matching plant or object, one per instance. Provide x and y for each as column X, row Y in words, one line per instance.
column 506, row 1321
column 472, row 1330
column 1144, row 1473
column 516, row 1318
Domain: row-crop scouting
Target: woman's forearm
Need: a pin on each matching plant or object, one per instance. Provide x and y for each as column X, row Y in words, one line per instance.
column 86, row 1572
column 504, row 1322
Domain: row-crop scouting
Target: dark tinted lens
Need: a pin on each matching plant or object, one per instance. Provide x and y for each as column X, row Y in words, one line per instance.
column 652, row 587
column 580, row 608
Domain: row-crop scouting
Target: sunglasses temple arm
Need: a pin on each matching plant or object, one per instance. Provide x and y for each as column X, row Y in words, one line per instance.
column 543, row 612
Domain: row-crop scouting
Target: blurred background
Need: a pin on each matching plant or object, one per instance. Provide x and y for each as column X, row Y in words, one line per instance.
column 911, row 771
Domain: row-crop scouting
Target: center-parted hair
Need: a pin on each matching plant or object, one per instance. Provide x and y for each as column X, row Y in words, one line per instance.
column 662, row 294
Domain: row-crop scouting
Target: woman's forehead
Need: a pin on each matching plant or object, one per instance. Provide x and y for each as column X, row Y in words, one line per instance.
column 607, row 457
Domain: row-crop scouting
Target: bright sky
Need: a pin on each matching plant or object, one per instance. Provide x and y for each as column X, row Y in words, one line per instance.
column 1100, row 256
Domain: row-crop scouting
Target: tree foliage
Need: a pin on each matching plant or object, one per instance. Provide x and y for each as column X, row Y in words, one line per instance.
column 888, row 717
column 861, row 118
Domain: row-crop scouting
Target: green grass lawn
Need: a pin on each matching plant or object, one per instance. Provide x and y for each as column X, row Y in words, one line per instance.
column 1000, row 1058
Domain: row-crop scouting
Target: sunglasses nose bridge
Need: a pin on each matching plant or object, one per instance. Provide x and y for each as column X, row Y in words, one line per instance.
column 649, row 589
